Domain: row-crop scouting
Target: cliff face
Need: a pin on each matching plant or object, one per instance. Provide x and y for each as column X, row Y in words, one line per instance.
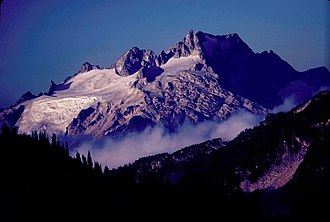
column 203, row 77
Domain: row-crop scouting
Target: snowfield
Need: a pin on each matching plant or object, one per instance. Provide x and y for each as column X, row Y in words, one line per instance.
column 176, row 93
column 54, row 113
column 140, row 90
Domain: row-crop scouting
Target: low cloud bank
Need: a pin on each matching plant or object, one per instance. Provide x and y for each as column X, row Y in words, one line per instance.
column 293, row 100
column 114, row 153
column 286, row 106
column 154, row 140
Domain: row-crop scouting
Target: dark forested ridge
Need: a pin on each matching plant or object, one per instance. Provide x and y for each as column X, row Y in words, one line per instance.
column 39, row 180
column 203, row 182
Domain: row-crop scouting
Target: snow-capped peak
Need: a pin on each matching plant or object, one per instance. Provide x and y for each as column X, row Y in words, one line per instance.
column 142, row 89
column 101, row 102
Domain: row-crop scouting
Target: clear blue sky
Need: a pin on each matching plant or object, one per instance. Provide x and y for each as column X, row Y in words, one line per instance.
column 43, row 40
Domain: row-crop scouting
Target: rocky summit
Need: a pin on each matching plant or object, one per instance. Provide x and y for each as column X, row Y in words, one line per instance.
column 202, row 78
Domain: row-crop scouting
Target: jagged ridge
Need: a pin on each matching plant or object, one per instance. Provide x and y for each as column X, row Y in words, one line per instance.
column 187, row 82
column 267, row 157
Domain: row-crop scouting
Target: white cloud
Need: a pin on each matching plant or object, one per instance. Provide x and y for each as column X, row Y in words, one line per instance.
column 229, row 129
column 114, row 153
column 286, row 106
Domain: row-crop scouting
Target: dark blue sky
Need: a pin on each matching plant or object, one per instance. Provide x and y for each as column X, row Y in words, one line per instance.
column 49, row 40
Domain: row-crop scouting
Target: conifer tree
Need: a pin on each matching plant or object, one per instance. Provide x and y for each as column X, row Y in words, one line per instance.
column 84, row 160
column 89, row 160
column 14, row 130
column 58, row 144
column 97, row 168
column 54, row 141
column 67, row 148
column 106, row 170
column 5, row 129
column 78, row 157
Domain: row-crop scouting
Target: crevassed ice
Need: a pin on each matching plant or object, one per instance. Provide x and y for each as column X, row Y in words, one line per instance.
column 51, row 113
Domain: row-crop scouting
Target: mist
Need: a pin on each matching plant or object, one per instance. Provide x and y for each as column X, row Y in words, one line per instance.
column 292, row 101
column 154, row 140
column 286, row 106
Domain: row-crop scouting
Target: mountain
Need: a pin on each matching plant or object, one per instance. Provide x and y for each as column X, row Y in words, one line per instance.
column 265, row 157
column 204, row 77
column 263, row 77
column 283, row 163
column 277, row 171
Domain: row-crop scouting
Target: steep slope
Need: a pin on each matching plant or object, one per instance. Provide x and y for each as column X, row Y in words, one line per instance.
column 198, row 183
column 40, row 181
column 101, row 102
column 188, row 82
column 263, row 77
column 277, row 171
column 271, row 163
column 173, row 95
column 266, row 157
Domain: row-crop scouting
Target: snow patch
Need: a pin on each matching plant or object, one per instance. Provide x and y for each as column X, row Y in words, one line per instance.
column 51, row 113
column 54, row 113
column 97, row 82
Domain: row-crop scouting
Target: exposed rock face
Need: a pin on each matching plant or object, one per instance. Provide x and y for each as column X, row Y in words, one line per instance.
column 133, row 60
column 245, row 72
column 164, row 57
column 240, row 70
column 189, row 46
column 168, row 98
column 281, row 171
column 26, row 96
column 10, row 116
column 261, row 77
column 282, row 150
column 150, row 73
column 79, row 122
column 307, row 84
column 52, row 88
column 203, row 77
column 86, row 67
column 294, row 136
